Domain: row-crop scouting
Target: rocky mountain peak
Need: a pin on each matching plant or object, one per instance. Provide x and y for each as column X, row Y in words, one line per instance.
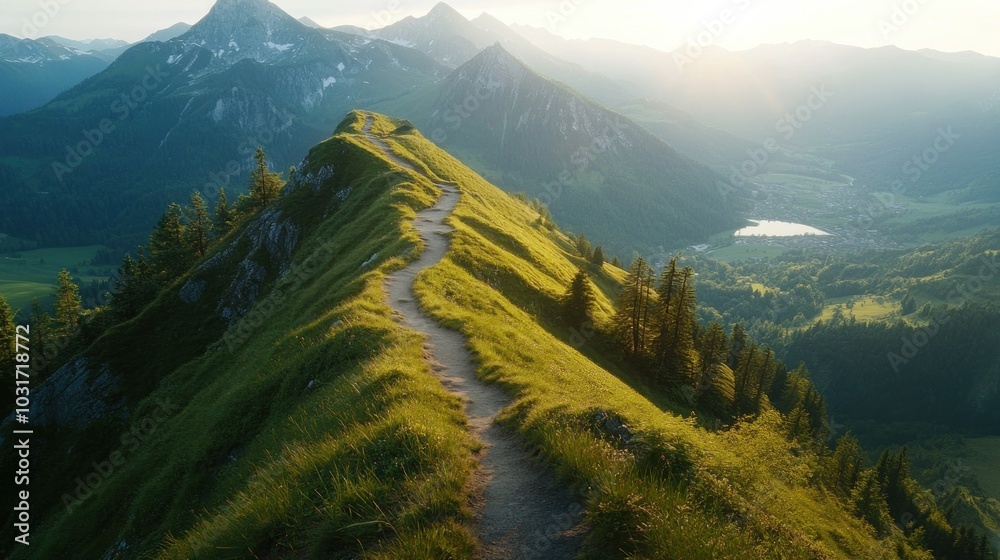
column 442, row 12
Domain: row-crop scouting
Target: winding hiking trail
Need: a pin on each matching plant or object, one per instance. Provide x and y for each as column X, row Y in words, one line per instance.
column 521, row 511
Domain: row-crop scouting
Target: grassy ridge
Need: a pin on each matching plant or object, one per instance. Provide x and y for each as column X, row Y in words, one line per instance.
column 675, row 490
column 322, row 434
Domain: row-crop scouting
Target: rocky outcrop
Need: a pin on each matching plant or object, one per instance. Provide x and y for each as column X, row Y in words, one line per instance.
column 77, row 395
column 261, row 254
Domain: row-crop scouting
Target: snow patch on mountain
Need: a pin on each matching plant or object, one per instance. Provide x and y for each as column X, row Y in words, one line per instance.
column 280, row 48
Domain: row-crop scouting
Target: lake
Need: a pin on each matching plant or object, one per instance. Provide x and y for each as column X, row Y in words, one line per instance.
column 771, row 228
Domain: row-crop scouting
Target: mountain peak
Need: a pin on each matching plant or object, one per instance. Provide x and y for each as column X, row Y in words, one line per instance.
column 238, row 29
column 443, row 12
column 228, row 16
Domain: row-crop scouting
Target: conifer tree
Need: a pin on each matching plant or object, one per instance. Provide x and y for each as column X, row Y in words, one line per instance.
column 225, row 216
column 843, row 468
column 265, row 186
column 198, row 230
column 598, row 258
column 674, row 339
column 168, row 247
column 631, row 321
column 579, row 301
column 134, row 287
column 68, row 308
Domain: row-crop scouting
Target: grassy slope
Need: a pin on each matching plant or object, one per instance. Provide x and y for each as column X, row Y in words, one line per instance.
column 373, row 460
column 742, row 494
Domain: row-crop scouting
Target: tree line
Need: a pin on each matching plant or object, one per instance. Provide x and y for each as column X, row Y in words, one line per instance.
column 183, row 235
column 655, row 330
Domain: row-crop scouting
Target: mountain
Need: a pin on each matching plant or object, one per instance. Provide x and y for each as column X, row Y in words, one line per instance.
column 33, row 72
column 598, row 172
column 886, row 106
column 89, row 45
column 449, row 38
column 274, row 402
column 175, row 30
column 247, row 74
column 308, row 22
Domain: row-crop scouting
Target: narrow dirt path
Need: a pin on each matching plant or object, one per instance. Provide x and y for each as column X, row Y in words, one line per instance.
column 521, row 511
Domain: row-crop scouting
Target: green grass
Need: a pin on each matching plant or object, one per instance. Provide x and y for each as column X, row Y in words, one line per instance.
column 864, row 308
column 324, row 435
column 29, row 274
column 674, row 493
column 372, row 461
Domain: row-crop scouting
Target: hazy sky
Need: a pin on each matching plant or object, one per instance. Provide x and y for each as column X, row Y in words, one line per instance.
column 949, row 25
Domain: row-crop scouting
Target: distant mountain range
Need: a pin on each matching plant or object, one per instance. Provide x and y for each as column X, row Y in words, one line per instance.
column 887, row 105
column 33, row 72
column 249, row 74
column 599, row 172
column 187, row 114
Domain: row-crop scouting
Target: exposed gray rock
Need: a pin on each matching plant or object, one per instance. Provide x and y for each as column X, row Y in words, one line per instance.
column 77, row 395
column 313, row 181
column 243, row 292
column 193, row 290
column 271, row 240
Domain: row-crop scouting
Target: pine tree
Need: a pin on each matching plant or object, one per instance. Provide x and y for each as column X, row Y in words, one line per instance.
column 674, row 339
column 712, row 348
column 843, row 468
column 598, row 258
column 168, row 247
column 68, row 308
column 869, row 501
column 265, row 186
column 198, row 230
column 579, row 301
column 225, row 216
column 631, row 321
column 737, row 346
column 583, row 245
column 133, row 287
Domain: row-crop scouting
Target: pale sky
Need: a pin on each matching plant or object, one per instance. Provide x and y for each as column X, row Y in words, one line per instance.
column 947, row 25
